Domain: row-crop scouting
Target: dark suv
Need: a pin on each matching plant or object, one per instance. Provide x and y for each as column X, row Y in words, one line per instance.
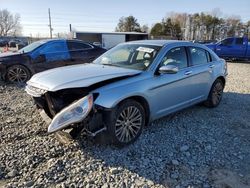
column 44, row 55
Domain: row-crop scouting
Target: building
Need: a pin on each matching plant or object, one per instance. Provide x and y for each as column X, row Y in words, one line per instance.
column 109, row 39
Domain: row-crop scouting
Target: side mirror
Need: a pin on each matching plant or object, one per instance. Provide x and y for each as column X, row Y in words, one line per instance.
column 168, row 69
column 39, row 59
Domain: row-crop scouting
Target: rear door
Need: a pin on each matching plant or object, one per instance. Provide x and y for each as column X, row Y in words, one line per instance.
column 56, row 55
column 202, row 72
column 239, row 47
column 81, row 52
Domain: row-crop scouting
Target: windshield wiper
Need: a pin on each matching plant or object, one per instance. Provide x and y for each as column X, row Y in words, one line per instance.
column 109, row 64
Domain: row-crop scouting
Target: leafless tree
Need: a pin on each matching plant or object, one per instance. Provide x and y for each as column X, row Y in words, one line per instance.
column 9, row 23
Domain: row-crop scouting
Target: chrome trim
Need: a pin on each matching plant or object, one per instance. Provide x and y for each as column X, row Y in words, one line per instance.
column 188, row 72
column 211, row 66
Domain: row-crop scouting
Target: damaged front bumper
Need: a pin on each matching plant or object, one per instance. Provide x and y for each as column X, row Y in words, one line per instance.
column 91, row 125
column 63, row 111
column 74, row 113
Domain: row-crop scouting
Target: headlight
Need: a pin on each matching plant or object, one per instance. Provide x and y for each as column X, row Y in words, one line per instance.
column 74, row 113
column 34, row 91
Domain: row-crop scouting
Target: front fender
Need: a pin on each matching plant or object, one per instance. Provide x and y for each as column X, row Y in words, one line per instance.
column 111, row 99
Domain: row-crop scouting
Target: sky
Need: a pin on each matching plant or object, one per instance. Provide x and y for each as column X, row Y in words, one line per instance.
column 103, row 15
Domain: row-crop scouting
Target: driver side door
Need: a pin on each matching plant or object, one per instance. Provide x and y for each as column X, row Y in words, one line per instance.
column 224, row 49
column 172, row 91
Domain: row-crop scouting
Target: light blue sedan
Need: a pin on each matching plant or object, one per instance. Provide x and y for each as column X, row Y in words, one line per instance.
column 128, row 87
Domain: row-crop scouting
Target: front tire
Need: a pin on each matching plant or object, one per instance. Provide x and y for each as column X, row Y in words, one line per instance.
column 125, row 123
column 17, row 74
column 215, row 94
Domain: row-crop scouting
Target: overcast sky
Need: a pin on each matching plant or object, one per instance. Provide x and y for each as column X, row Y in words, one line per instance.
column 103, row 15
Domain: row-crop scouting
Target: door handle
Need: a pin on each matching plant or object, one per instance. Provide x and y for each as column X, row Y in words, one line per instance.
column 188, row 72
column 211, row 66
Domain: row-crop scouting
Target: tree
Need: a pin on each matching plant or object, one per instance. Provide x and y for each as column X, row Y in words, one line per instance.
column 9, row 23
column 248, row 29
column 128, row 24
column 168, row 27
column 157, row 30
column 232, row 23
column 177, row 31
column 200, row 26
column 145, row 29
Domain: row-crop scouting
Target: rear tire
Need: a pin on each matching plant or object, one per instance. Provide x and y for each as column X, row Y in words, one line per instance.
column 126, row 122
column 17, row 74
column 215, row 94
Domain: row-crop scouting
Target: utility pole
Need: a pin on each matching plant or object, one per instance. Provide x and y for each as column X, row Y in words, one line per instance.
column 50, row 28
column 70, row 28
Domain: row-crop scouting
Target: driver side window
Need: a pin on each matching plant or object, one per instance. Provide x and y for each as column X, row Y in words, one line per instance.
column 55, row 51
column 52, row 48
column 176, row 56
column 227, row 42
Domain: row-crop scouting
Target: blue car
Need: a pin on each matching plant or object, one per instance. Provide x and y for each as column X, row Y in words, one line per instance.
column 44, row 55
column 128, row 87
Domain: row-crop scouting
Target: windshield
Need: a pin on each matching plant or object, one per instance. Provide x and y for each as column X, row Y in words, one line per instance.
column 32, row 46
column 132, row 56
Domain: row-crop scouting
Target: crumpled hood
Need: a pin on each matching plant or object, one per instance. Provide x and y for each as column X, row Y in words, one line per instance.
column 76, row 76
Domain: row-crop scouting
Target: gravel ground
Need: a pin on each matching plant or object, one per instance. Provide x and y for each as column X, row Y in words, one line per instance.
column 197, row 147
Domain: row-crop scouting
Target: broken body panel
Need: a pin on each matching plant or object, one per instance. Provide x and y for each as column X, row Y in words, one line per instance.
column 55, row 96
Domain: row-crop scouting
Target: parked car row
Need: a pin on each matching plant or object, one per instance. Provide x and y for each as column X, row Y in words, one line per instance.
column 13, row 43
column 4, row 42
column 43, row 55
column 123, row 90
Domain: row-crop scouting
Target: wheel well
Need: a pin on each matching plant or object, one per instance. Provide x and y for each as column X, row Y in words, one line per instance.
column 144, row 103
column 222, row 79
column 19, row 65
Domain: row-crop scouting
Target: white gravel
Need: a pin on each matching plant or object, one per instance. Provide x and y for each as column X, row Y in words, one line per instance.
column 197, row 147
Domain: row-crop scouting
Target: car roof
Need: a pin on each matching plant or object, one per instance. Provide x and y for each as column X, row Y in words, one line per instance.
column 52, row 40
column 159, row 42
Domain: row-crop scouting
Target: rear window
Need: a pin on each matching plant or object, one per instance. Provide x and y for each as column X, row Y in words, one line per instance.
column 227, row 42
column 239, row 41
column 78, row 46
column 198, row 55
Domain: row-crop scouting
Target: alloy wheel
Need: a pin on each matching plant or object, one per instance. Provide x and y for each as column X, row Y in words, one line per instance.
column 17, row 74
column 128, row 124
column 217, row 93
